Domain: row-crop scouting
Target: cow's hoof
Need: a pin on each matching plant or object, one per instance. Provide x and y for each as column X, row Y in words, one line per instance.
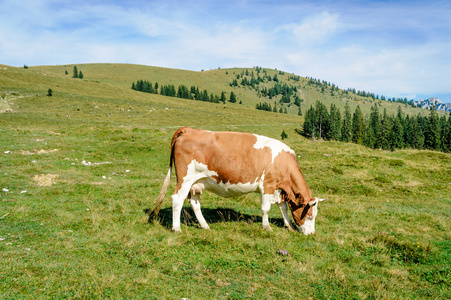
column 267, row 228
column 177, row 229
column 290, row 228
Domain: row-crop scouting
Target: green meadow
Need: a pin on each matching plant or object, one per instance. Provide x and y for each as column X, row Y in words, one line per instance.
column 79, row 169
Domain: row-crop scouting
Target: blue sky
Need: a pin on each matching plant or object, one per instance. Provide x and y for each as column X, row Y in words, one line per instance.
column 392, row 48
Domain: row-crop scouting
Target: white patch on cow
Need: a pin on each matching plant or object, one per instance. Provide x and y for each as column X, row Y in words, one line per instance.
column 273, row 198
column 275, row 145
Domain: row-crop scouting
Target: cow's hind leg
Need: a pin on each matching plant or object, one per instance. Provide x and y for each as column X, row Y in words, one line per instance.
column 195, row 204
column 177, row 205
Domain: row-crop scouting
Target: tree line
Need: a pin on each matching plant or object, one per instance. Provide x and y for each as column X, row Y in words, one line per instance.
column 194, row 93
column 378, row 130
column 334, row 88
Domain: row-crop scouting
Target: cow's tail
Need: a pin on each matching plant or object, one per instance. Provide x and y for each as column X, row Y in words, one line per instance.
column 153, row 212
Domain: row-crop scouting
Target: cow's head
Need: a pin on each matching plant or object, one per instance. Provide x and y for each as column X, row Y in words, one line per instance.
column 304, row 214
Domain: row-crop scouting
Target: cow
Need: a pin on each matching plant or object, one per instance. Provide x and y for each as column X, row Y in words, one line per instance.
column 232, row 164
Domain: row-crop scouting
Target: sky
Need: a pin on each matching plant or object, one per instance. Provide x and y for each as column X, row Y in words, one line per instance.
column 392, row 48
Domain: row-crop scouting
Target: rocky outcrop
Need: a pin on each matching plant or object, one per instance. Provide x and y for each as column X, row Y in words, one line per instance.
column 428, row 103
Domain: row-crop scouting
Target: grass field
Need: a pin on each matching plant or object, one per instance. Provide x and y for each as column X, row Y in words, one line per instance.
column 79, row 169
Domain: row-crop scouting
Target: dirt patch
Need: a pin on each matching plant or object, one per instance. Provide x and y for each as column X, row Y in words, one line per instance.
column 45, row 179
column 42, row 151
column 97, row 183
column 4, row 106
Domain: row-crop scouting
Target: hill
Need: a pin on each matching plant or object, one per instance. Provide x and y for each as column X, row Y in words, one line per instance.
column 80, row 167
column 111, row 79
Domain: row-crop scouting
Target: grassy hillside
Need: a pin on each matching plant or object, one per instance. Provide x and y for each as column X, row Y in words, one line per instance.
column 80, row 168
column 115, row 79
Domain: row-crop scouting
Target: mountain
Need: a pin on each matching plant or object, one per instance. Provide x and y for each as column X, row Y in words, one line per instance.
column 428, row 103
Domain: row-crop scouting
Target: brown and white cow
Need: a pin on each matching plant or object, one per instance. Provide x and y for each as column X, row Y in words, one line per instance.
column 231, row 164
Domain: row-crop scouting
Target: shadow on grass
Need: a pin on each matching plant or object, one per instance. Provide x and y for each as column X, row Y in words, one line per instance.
column 217, row 215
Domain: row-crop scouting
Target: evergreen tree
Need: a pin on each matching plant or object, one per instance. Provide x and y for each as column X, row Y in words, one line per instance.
column 374, row 127
column 346, row 128
column 75, row 72
column 408, row 132
column 223, row 97
column 417, row 133
column 335, row 123
column 384, row 141
column 308, row 128
column 358, row 126
column 322, row 122
column 396, row 136
column 50, row 93
column 446, row 135
column 284, row 135
column 232, row 97
column 432, row 135
column 80, row 75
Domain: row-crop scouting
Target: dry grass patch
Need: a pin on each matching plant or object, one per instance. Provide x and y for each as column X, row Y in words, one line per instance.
column 45, row 179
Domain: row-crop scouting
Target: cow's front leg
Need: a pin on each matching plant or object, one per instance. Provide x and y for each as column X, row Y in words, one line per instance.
column 177, row 204
column 266, row 206
column 195, row 204
column 286, row 218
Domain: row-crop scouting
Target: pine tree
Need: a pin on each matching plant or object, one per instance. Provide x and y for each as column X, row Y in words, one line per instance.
column 346, row 128
column 75, row 72
column 232, row 97
column 396, row 135
column 308, row 128
column 335, row 123
column 432, row 135
column 446, row 134
column 223, row 97
column 358, row 126
column 80, row 75
column 284, row 135
column 417, row 133
column 374, row 127
column 322, row 121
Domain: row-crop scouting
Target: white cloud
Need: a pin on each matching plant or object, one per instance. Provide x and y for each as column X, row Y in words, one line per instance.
column 315, row 29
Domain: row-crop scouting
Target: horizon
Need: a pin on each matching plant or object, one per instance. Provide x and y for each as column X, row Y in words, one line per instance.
column 398, row 49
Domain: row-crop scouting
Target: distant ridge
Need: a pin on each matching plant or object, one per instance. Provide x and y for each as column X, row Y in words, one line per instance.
column 428, row 103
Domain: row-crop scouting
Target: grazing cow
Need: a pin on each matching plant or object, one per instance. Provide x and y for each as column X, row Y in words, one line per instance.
column 231, row 164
